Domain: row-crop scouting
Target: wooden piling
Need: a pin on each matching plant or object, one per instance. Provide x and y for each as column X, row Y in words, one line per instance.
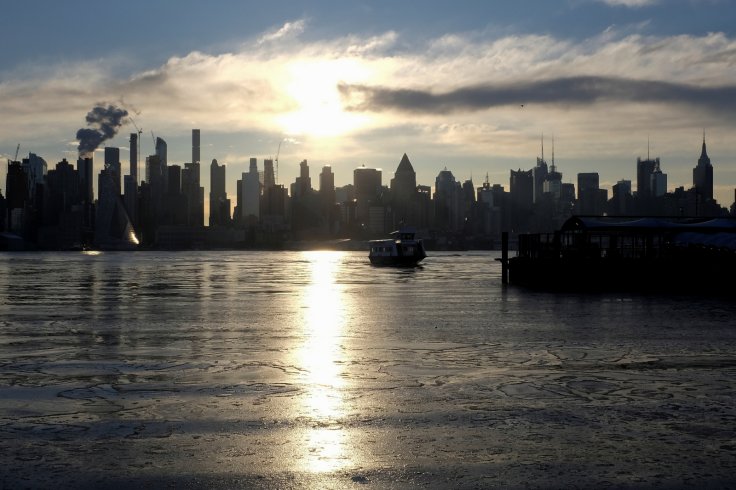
column 505, row 257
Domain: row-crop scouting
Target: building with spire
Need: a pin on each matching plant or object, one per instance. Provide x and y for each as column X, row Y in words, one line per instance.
column 403, row 194
column 553, row 180
column 703, row 175
column 540, row 175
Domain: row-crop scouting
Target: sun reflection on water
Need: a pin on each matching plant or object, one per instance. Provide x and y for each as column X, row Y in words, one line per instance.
column 321, row 358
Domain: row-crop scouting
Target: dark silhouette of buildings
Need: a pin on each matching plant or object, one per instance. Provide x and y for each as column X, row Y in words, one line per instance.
column 56, row 209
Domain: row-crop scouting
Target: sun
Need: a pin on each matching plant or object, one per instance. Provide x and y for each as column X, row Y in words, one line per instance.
column 312, row 86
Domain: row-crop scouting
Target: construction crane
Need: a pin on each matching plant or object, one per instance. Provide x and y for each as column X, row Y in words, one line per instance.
column 140, row 131
column 17, row 149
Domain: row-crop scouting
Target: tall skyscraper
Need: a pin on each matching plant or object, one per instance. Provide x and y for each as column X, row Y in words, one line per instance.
column 195, row 146
column 112, row 164
column 447, row 201
column 404, row 194
column 644, row 171
column 703, row 176
column 218, row 195
column 521, row 199
column 404, row 183
column 540, row 176
column 367, row 183
column 251, row 194
column 84, row 170
column 269, row 179
column 303, row 184
column 161, row 152
column 134, row 157
column 113, row 229
column 327, row 186
column 36, row 169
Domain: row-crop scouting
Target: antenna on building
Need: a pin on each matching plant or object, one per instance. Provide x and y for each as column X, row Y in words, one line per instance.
column 647, row 147
column 542, row 146
column 276, row 161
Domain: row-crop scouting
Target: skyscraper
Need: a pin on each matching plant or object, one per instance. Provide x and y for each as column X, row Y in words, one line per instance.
column 84, row 170
column 404, row 182
column 218, row 195
column 251, row 194
column 404, row 193
column 16, row 187
column 367, row 182
column 112, row 164
column 521, row 197
column 591, row 198
column 644, row 171
column 327, row 186
column 134, row 157
column 195, row 146
column 161, row 153
column 113, row 229
column 703, row 175
column 269, row 179
column 447, row 201
column 191, row 186
column 303, row 184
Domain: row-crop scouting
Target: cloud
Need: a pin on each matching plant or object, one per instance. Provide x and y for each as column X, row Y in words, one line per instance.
column 255, row 87
column 288, row 30
column 570, row 91
column 630, row 3
column 430, row 98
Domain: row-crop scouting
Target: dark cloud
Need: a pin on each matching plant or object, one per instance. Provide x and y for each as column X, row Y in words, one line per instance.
column 105, row 122
column 571, row 91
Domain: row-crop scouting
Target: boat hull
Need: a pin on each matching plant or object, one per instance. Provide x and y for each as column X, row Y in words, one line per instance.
column 410, row 261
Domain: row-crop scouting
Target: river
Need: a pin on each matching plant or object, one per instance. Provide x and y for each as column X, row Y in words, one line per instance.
column 318, row 370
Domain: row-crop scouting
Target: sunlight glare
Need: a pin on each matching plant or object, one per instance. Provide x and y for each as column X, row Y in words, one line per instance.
column 321, row 358
column 313, row 86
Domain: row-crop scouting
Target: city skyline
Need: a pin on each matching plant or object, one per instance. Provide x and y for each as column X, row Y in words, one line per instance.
column 471, row 88
column 257, row 165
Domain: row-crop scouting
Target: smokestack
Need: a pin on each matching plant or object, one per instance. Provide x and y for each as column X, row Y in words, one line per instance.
column 104, row 122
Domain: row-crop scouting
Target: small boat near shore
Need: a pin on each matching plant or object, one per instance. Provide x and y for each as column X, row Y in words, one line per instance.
column 403, row 249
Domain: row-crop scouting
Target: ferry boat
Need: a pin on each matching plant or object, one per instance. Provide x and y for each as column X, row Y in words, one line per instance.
column 402, row 249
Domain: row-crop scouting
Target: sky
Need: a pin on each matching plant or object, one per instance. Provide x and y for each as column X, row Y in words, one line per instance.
column 476, row 87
